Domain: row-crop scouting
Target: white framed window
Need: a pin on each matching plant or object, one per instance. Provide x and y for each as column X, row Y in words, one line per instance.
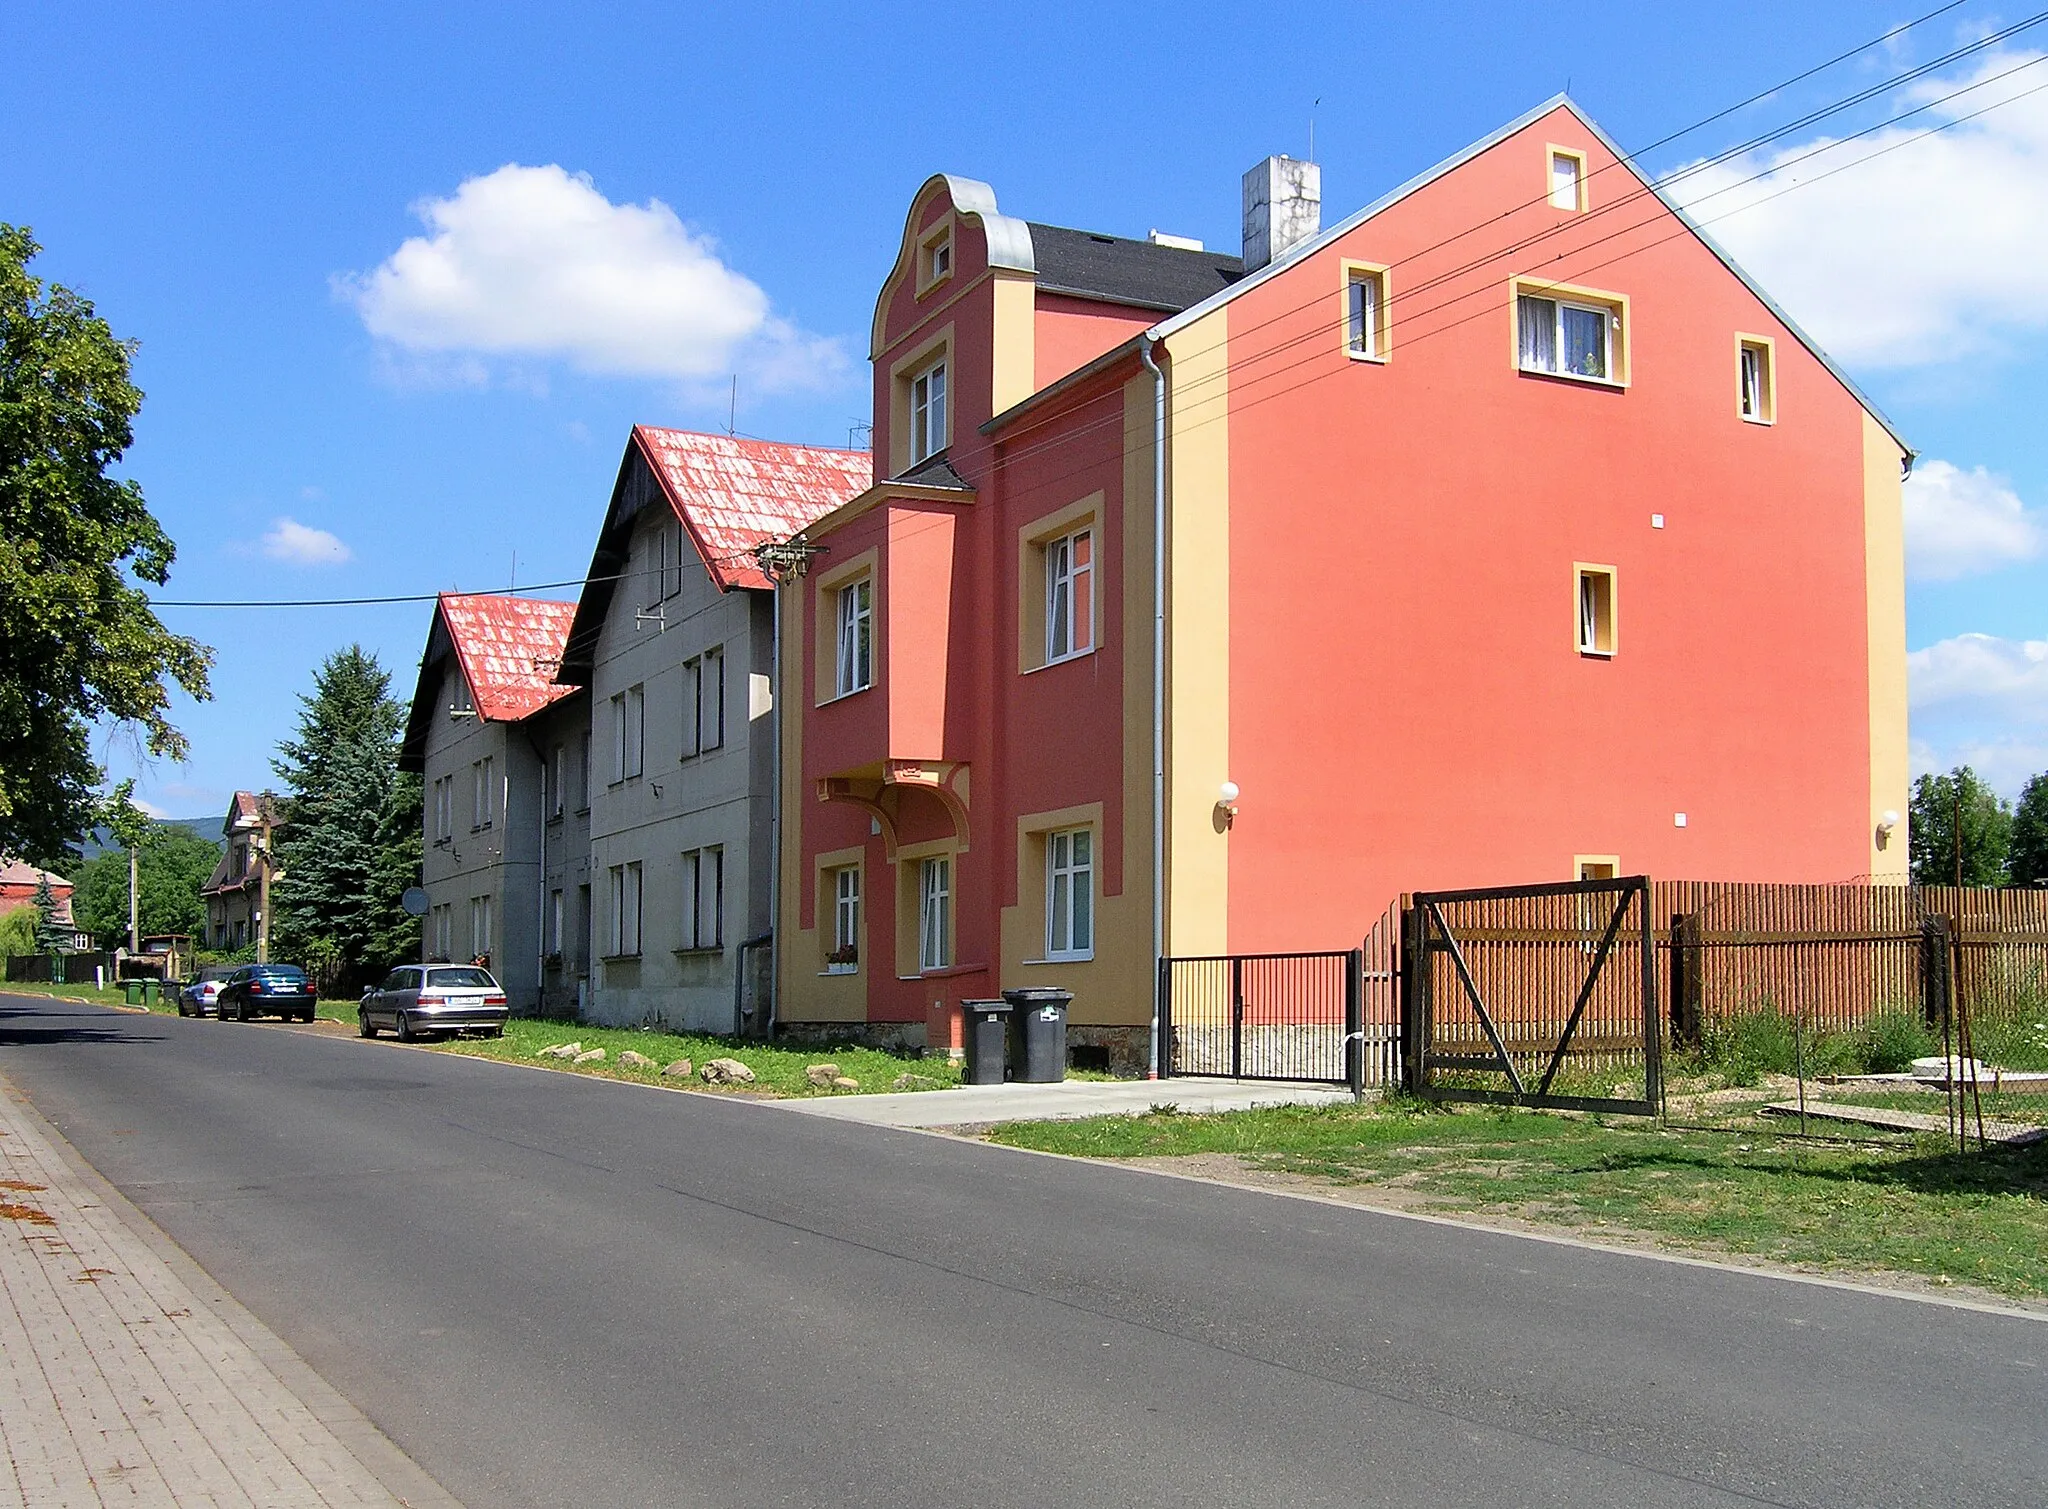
column 629, row 733
column 1070, row 894
column 1756, row 384
column 1566, row 337
column 703, row 914
column 928, row 432
column 856, row 636
column 935, row 913
column 704, row 702
column 558, row 760
column 845, row 955
column 938, row 259
column 481, row 919
column 1365, row 313
column 1070, row 595
column 625, row 910
column 441, row 932
column 554, row 938
column 444, row 807
column 1596, row 610
column 482, row 803
column 1567, row 179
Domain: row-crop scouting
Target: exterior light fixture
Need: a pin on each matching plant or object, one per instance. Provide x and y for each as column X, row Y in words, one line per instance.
column 1226, row 802
column 1887, row 821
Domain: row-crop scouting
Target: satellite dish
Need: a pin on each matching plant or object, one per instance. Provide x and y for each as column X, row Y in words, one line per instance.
column 414, row 901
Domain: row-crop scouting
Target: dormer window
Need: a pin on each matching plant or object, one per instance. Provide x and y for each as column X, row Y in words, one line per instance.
column 938, row 259
column 928, row 412
column 935, row 256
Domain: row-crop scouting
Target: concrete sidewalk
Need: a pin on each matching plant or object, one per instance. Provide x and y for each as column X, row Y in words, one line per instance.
column 972, row 1105
column 127, row 1376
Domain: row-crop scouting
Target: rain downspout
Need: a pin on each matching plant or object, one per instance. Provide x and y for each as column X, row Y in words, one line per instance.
column 1145, row 345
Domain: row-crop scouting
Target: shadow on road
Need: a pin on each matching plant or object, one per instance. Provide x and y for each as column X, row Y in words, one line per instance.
column 25, row 1024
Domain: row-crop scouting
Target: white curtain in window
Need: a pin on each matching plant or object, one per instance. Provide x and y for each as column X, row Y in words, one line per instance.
column 1537, row 321
column 1364, row 316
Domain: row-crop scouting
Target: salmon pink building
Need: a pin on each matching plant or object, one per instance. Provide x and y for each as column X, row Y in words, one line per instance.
column 1502, row 531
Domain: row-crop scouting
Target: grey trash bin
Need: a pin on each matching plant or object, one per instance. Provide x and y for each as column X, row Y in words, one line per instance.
column 988, row 1031
column 1039, row 1024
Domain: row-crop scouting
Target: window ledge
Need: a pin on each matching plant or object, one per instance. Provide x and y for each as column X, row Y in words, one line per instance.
column 618, row 958
column 1757, row 419
column 842, row 696
column 553, row 818
column 1586, row 654
column 1087, row 958
column 1069, row 659
column 946, row 971
column 839, row 974
column 1615, row 384
column 712, row 949
column 1375, row 357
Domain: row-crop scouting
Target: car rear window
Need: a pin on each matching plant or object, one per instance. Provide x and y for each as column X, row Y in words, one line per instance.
column 475, row 978
column 279, row 972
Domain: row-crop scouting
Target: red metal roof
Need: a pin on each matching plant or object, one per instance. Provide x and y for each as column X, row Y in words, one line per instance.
column 734, row 494
column 509, row 648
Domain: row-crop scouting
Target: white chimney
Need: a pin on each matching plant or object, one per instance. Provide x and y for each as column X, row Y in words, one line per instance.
column 1283, row 207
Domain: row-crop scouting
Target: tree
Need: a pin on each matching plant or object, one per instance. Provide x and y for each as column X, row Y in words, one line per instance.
column 2027, row 858
column 18, row 931
column 78, row 640
column 171, row 865
column 1986, row 830
column 350, row 843
column 52, row 937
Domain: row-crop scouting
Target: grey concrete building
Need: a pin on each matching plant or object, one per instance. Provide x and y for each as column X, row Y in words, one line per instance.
column 673, row 643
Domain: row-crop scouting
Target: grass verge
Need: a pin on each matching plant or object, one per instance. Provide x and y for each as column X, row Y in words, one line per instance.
column 778, row 1068
column 1907, row 1206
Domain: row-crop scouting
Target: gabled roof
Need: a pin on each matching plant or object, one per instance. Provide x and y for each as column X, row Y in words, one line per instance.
column 1140, row 274
column 1457, row 160
column 730, row 494
column 507, row 649
column 245, row 810
column 15, row 873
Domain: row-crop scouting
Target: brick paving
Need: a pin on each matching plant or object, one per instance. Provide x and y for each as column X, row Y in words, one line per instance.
column 128, row 1377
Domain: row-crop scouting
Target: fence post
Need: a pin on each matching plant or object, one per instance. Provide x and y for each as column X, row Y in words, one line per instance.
column 1934, row 969
column 1164, row 1068
column 1236, row 1017
column 1687, row 982
column 1414, row 966
column 1354, row 1022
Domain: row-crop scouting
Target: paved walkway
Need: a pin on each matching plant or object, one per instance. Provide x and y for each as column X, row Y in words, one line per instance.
column 972, row 1105
column 127, row 1376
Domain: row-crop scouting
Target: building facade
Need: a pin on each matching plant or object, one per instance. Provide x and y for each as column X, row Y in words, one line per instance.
column 233, row 893
column 673, row 641
column 1503, row 531
column 478, row 735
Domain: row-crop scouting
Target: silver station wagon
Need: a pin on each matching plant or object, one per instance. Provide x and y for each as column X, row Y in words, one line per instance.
column 417, row 1000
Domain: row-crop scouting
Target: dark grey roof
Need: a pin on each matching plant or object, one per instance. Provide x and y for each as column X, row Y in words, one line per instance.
column 935, row 471
column 1137, row 273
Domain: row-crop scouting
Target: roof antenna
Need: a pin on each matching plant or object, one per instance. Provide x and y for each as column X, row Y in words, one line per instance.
column 1312, row 127
column 513, row 585
column 732, row 413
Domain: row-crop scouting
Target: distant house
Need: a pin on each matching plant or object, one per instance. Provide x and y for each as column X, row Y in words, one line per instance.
column 19, row 883
column 233, row 892
column 502, row 752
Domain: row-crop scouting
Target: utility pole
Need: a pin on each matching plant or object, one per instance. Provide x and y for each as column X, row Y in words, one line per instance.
column 134, row 941
column 783, row 562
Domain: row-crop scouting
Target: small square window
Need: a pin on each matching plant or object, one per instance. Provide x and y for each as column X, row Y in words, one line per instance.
column 1756, row 379
column 939, row 259
column 1567, row 179
column 1365, row 312
column 1595, row 610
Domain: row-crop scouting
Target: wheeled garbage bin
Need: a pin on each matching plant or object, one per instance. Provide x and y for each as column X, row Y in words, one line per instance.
column 1039, row 1023
column 988, row 1032
column 152, row 992
column 131, row 992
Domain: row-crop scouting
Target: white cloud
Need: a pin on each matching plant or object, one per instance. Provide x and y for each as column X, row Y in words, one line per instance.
column 1917, row 256
column 1959, row 523
column 302, row 545
column 534, row 262
column 2007, row 678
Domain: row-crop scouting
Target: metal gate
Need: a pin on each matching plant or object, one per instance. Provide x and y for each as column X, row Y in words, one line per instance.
column 1263, row 1016
column 1507, row 985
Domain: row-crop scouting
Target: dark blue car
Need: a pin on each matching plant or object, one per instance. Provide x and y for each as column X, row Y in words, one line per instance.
column 266, row 989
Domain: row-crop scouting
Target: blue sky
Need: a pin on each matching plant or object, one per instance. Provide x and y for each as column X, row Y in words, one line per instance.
column 330, row 229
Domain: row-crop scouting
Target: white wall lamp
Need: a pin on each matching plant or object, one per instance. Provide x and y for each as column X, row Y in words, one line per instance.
column 1886, row 822
column 1226, row 803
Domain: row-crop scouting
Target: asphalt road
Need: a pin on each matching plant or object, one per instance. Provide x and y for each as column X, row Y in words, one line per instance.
column 554, row 1290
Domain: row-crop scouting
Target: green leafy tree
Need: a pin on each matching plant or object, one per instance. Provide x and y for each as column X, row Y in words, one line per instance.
column 2027, row 858
column 350, row 844
column 78, row 640
column 17, row 932
column 171, row 864
column 1986, row 830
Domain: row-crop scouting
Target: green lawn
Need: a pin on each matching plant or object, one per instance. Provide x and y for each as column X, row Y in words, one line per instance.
column 778, row 1068
column 1907, row 1205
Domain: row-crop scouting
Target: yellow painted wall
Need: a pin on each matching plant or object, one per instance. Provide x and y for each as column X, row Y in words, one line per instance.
column 1884, row 564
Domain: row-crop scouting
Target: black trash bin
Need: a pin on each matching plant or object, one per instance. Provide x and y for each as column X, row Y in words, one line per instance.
column 1039, row 1023
column 988, row 1032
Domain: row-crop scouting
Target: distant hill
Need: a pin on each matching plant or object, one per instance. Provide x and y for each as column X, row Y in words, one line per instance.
column 99, row 841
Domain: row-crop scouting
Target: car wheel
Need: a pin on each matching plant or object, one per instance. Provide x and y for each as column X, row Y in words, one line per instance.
column 242, row 1013
column 497, row 1032
column 405, row 1032
column 364, row 1026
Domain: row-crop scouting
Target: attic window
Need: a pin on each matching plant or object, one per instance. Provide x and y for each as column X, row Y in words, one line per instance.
column 1562, row 331
column 935, row 257
column 1756, row 379
column 1567, row 184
